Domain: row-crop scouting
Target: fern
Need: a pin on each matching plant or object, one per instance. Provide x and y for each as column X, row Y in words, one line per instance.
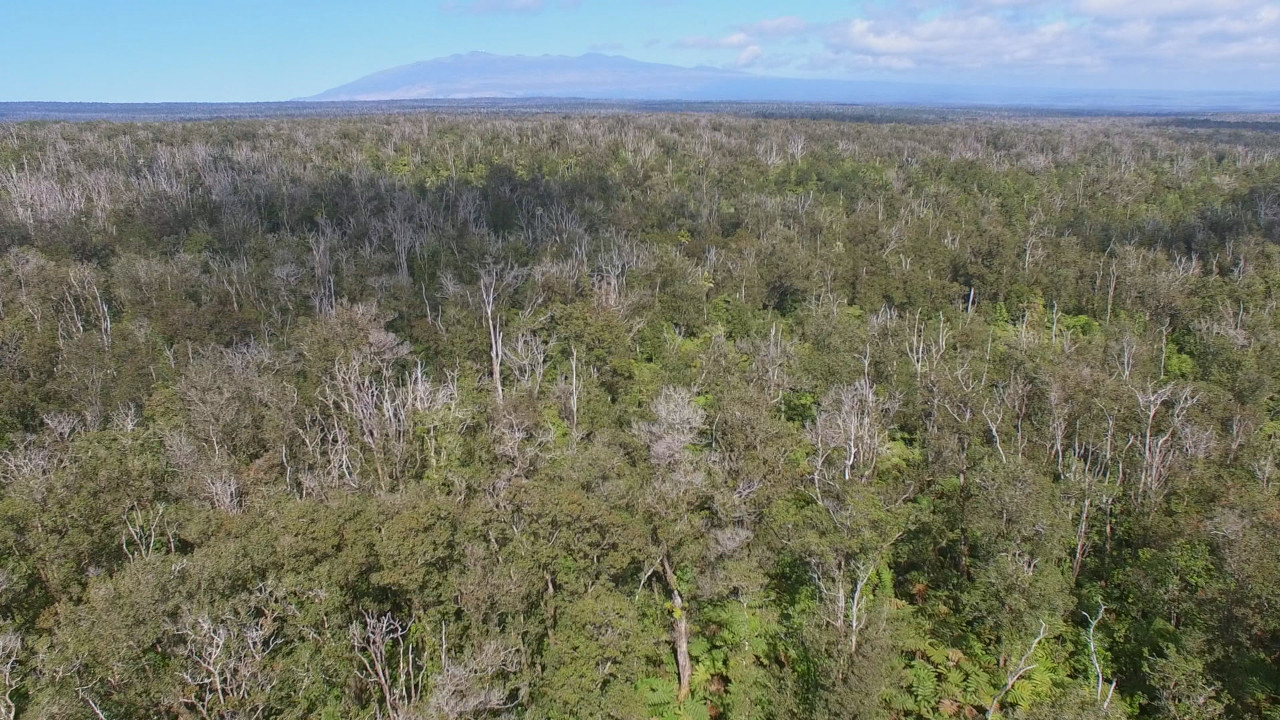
column 658, row 695
column 899, row 700
column 924, row 685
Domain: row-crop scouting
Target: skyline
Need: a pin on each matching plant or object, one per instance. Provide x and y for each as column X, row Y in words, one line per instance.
column 238, row 50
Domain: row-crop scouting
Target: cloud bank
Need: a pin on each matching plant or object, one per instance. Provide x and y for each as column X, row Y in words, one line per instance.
column 1155, row 42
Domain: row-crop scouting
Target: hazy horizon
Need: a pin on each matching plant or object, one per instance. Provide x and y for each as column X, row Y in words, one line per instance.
column 241, row 51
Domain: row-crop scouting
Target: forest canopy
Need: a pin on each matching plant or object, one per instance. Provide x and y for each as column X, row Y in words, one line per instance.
column 639, row 416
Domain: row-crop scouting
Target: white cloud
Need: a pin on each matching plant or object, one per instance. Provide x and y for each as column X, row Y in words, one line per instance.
column 736, row 40
column 972, row 41
column 1217, row 43
column 1235, row 40
column 749, row 56
column 1151, row 9
column 1137, row 37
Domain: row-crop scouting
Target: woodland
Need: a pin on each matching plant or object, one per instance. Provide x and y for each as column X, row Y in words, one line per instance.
column 640, row 415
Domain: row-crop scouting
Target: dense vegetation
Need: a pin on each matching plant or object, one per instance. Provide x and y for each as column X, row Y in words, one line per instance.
column 650, row 416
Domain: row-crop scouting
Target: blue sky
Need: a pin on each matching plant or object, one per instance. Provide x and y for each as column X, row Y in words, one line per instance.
column 226, row 50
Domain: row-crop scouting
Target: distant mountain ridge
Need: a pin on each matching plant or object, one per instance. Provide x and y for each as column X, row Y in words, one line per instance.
column 596, row 76
column 485, row 75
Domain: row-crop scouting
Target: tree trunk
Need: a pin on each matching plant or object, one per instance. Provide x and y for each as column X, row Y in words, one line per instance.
column 683, row 665
column 495, row 353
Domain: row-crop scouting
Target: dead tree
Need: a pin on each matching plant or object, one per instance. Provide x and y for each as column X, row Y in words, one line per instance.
column 1156, row 442
column 529, row 359
column 496, row 281
column 1016, row 672
column 1099, row 678
column 850, row 612
column 368, row 419
column 323, row 295
column 145, row 533
column 397, row 672
column 10, row 673
column 226, row 673
column 676, row 426
column 854, row 421
column 390, row 664
column 770, row 359
column 680, row 632
column 477, row 685
column 678, row 421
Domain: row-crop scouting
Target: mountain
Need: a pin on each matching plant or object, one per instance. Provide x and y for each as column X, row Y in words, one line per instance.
column 609, row 77
column 478, row 74
column 612, row 77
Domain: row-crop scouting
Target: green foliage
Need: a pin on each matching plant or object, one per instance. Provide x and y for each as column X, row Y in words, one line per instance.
column 475, row 417
column 1178, row 365
column 800, row 406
